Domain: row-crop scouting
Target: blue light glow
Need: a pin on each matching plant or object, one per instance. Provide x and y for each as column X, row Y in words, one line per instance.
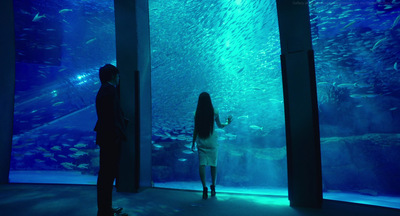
column 56, row 86
column 358, row 98
column 231, row 50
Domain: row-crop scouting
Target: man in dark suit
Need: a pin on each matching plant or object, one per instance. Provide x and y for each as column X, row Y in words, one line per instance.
column 110, row 128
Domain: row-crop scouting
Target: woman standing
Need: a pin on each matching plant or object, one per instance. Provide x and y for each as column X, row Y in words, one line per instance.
column 206, row 138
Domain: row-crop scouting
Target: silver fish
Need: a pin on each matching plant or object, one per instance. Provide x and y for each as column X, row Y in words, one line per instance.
column 38, row 17
column 187, row 151
column 64, row 11
column 80, row 145
column 90, row 41
column 396, row 21
column 255, row 127
column 157, row 146
column 377, row 44
column 83, row 166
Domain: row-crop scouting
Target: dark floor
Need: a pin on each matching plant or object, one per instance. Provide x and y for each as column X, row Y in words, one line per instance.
column 32, row 199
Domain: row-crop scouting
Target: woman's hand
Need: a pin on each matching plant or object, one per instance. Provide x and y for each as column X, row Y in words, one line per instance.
column 229, row 120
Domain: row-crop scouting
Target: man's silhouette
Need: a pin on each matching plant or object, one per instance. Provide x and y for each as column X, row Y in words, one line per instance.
column 110, row 128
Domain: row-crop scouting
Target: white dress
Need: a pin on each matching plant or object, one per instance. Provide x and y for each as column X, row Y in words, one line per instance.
column 208, row 148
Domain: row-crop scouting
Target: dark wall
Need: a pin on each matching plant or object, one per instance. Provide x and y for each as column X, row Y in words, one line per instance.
column 7, row 85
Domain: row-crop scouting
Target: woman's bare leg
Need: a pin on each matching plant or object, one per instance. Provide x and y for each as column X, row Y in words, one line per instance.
column 213, row 174
column 202, row 172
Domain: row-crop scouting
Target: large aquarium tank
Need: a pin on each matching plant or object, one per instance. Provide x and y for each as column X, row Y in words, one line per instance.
column 231, row 50
column 357, row 61
column 60, row 45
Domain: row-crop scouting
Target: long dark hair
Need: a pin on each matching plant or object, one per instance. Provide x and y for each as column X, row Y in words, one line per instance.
column 204, row 117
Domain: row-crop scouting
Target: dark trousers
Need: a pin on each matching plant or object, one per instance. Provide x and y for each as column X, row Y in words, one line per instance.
column 109, row 161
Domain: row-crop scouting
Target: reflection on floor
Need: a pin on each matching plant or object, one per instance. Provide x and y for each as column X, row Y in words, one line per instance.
column 385, row 201
column 71, row 200
column 62, row 177
column 196, row 186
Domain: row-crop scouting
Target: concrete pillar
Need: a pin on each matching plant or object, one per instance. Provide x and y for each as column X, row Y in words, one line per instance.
column 7, row 86
column 301, row 109
column 144, row 67
column 133, row 61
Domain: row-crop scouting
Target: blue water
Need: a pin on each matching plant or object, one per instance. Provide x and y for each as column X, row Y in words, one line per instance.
column 356, row 55
column 57, row 61
column 230, row 49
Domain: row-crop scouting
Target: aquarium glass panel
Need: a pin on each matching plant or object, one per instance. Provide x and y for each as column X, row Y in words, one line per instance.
column 231, row 50
column 357, row 56
column 59, row 47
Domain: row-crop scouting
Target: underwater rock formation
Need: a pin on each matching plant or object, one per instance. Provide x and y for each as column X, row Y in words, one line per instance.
column 367, row 162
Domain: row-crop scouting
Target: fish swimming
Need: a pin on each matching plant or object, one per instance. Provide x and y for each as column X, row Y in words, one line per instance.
column 80, row 153
column 255, row 127
column 362, row 85
column 231, row 136
column 323, row 83
column 395, row 66
column 157, row 146
column 38, row 17
column 346, row 26
column 83, row 166
column 377, row 44
column 181, row 137
column 58, row 103
column 73, row 149
column 41, row 149
column 64, row 11
column 68, row 165
column 80, row 145
column 275, row 100
column 363, row 95
column 346, row 85
column 90, row 41
column 241, row 70
column 56, row 148
column 48, row 155
column 396, row 21
column 240, row 117
column 62, row 69
column 187, row 152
